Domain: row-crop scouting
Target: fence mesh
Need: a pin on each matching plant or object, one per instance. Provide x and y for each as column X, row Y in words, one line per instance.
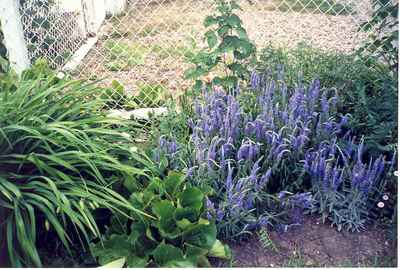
column 145, row 44
column 52, row 30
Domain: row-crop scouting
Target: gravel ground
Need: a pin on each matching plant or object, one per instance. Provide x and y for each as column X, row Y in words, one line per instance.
column 161, row 28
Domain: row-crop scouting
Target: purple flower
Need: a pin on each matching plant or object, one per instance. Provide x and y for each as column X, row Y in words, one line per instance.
column 220, row 215
column 264, row 180
column 254, row 80
column 210, row 209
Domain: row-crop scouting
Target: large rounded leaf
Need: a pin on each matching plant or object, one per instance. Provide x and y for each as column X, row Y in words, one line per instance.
column 165, row 253
column 220, row 250
column 165, row 211
column 173, row 181
column 119, row 263
column 192, row 198
column 202, row 235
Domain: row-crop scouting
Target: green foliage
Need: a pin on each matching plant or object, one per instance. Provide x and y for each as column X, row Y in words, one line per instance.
column 229, row 48
column 174, row 124
column 345, row 210
column 122, row 56
column 149, row 96
column 177, row 234
column 59, row 156
column 383, row 41
column 266, row 240
column 115, row 94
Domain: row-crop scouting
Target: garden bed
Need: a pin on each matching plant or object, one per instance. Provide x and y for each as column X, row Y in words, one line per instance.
column 287, row 157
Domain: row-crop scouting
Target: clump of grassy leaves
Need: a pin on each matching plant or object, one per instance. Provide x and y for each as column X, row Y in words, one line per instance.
column 59, row 157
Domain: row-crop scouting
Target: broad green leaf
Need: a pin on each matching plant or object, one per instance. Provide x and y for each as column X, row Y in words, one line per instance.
column 119, row 263
column 113, row 248
column 130, row 183
column 222, row 31
column 165, row 253
column 188, row 213
column 165, row 211
column 194, row 251
column 220, row 250
column 173, row 182
column 184, row 223
column 184, row 263
column 211, row 38
column 192, row 197
column 234, row 21
column 203, row 236
column 210, row 20
column 137, row 262
column 242, row 33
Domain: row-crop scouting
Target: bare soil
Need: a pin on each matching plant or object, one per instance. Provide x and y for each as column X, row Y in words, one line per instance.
column 317, row 245
column 164, row 31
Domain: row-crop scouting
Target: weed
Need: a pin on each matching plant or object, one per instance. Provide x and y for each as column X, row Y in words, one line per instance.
column 122, row 56
column 177, row 51
column 296, row 260
column 149, row 96
column 266, row 240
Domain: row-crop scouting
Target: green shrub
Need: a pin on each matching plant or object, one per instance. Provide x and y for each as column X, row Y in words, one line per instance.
column 177, row 235
column 59, row 156
column 229, row 49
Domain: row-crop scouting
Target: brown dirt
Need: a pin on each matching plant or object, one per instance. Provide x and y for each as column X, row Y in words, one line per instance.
column 317, row 245
column 162, row 26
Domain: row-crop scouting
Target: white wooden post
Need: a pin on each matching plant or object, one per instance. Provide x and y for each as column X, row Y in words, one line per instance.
column 13, row 32
column 95, row 13
column 115, row 7
column 76, row 7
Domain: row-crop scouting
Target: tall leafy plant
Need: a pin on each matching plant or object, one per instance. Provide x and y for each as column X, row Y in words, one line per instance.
column 59, row 156
column 229, row 48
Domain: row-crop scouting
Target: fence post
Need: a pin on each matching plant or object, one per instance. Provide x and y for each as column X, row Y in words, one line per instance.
column 115, row 7
column 13, row 32
column 95, row 14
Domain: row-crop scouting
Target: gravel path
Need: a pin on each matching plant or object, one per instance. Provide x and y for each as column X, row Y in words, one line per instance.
column 176, row 24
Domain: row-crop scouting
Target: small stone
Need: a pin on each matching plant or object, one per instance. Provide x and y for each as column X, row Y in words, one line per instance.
column 310, row 262
column 142, row 114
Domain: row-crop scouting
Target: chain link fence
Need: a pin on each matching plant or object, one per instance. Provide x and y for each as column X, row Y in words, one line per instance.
column 52, row 30
column 140, row 48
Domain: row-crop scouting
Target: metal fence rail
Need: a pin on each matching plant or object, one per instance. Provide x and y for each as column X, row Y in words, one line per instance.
column 144, row 44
